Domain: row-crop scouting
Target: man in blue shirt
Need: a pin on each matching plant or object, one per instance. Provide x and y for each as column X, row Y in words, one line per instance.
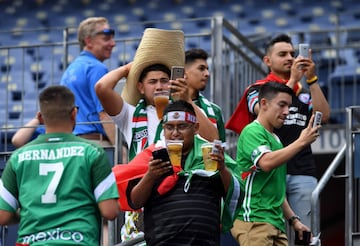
column 96, row 41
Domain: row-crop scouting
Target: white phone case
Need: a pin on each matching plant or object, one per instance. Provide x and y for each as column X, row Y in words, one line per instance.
column 304, row 50
column 317, row 119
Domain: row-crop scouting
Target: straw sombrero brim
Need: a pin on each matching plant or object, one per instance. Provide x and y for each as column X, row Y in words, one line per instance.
column 157, row 46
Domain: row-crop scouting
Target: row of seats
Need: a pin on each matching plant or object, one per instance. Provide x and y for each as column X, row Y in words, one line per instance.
column 37, row 64
column 20, row 104
column 251, row 17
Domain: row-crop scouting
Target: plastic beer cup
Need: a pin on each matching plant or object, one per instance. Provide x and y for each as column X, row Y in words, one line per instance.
column 174, row 148
column 206, row 149
column 161, row 100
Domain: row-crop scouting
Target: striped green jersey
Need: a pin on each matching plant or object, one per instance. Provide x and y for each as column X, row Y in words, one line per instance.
column 264, row 191
column 57, row 181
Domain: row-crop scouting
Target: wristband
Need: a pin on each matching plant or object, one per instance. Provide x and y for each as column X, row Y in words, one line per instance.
column 294, row 217
column 312, row 81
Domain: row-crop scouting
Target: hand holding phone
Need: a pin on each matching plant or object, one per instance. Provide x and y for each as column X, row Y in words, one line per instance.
column 306, row 240
column 176, row 72
column 317, row 119
column 161, row 154
column 164, row 156
column 304, row 50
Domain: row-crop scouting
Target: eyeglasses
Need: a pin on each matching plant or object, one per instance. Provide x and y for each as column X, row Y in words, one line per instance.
column 180, row 127
column 106, row 32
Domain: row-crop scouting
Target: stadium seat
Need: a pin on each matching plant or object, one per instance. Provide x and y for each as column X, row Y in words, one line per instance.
column 16, row 95
column 345, row 86
column 5, row 140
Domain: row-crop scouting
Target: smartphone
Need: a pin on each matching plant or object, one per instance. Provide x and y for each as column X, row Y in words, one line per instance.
column 306, row 238
column 161, row 154
column 317, row 119
column 304, row 50
column 164, row 156
column 176, row 72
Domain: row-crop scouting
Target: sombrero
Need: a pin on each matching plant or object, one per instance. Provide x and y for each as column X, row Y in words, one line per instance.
column 157, row 46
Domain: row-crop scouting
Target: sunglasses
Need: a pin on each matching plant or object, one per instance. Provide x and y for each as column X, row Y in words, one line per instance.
column 106, row 32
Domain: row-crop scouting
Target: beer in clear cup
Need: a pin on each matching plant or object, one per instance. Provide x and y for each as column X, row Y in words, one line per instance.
column 161, row 100
column 174, row 148
column 206, row 149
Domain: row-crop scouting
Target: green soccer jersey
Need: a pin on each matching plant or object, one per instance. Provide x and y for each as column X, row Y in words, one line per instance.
column 264, row 191
column 56, row 181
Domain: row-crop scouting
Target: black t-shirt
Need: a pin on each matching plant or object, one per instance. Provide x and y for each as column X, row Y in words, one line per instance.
column 302, row 163
column 184, row 218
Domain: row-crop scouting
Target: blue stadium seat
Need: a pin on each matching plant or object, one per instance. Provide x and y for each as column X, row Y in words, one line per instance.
column 353, row 37
column 347, row 76
column 5, row 140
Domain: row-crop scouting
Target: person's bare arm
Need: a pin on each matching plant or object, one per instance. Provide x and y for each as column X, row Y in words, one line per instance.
column 142, row 191
column 24, row 134
column 276, row 158
column 104, row 88
column 225, row 174
column 296, row 73
column 8, row 218
column 109, row 209
column 207, row 129
column 296, row 223
column 319, row 102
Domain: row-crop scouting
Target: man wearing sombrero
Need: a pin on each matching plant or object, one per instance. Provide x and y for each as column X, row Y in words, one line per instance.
column 133, row 111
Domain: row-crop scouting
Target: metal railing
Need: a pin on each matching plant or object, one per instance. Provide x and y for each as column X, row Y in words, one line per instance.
column 352, row 206
column 235, row 62
column 315, row 197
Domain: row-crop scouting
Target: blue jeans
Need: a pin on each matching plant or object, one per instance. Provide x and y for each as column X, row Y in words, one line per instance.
column 298, row 192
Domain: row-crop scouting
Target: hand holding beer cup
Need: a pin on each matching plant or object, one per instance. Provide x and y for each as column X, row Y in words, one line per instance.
column 174, row 148
column 209, row 163
column 161, row 100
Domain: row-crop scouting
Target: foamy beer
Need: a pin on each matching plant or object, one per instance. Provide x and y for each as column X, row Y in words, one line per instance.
column 210, row 165
column 174, row 148
column 161, row 100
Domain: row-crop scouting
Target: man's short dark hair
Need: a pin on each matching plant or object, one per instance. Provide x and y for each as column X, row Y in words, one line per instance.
column 56, row 103
column 269, row 90
column 154, row 67
column 193, row 54
column 179, row 105
column 277, row 39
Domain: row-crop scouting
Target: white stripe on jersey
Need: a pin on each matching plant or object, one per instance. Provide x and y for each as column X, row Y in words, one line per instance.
column 7, row 196
column 247, row 199
column 104, row 185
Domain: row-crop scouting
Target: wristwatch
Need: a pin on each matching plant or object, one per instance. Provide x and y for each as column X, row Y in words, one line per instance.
column 292, row 218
